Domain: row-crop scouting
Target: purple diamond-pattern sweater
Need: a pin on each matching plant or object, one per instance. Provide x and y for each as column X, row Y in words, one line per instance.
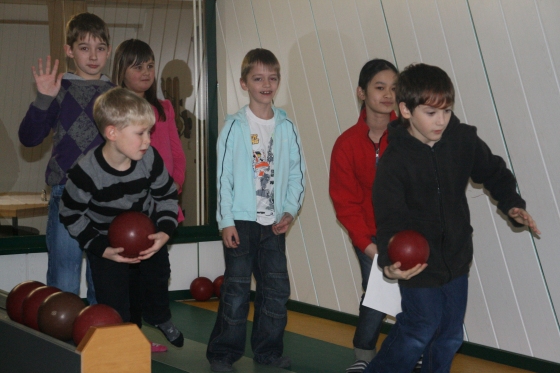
column 70, row 116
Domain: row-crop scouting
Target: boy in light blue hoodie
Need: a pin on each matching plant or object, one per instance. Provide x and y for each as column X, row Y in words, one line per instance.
column 261, row 186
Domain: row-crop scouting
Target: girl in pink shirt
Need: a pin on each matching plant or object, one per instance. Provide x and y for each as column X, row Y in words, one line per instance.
column 134, row 68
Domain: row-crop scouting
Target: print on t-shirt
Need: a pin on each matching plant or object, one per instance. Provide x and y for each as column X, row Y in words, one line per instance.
column 263, row 160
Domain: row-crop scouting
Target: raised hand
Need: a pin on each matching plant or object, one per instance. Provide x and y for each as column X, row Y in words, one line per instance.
column 47, row 80
column 523, row 217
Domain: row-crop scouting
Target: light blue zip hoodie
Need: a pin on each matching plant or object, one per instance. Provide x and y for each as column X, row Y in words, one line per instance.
column 236, row 185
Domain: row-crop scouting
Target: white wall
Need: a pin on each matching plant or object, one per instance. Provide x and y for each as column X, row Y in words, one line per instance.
column 503, row 57
column 188, row 261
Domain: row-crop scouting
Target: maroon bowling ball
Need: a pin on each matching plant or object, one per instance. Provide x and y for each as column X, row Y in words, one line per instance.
column 32, row 303
column 218, row 285
column 95, row 315
column 408, row 247
column 130, row 230
column 202, row 288
column 57, row 314
column 14, row 301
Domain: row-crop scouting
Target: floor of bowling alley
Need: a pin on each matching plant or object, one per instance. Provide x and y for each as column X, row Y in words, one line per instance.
column 314, row 344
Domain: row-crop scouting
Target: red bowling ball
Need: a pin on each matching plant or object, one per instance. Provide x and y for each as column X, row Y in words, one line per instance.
column 95, row 315
column 202, row 288
column 14, row 301
column 408, row 247
column 32, row 303
column 218, row 285
column 57, row 314
column 130, row 230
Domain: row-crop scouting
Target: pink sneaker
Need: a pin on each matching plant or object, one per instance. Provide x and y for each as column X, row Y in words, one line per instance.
column 156, row 347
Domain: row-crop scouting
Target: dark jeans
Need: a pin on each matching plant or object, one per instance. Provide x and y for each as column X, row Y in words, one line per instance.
column 431, row 323
column 263, row 254
column 369, row 320
column 150, row 281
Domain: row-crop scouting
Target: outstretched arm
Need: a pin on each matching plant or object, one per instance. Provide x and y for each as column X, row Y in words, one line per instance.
column 523, row 217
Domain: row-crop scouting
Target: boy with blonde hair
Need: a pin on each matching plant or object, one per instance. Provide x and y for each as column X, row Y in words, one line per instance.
column 64, row 106
column 124, row 174
column 261, row 186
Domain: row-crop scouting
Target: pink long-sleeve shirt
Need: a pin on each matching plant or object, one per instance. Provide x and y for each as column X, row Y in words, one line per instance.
column 165, row 139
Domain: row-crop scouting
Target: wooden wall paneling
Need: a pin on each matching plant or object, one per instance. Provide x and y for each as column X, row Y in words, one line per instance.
column 478, row 323
column 504, row 49
column 343, row 55
column 333, row 43
column 402, row 32
column 238, row 45
column 246, row 26
column 308, row 259
column 375, row 35
column 474, row 105
column 315, row 116
column 539, row 76
column 549, row 12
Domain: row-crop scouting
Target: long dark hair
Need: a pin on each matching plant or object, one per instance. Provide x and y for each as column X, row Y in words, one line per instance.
column 370, row 69
column 133, row 52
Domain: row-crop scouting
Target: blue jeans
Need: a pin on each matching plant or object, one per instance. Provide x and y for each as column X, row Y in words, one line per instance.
column 369, row 320
column 65, row 256
column 431, row 323
column 263, row 254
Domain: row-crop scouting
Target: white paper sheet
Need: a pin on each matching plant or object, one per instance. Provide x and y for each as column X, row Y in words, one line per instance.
column 382, row 294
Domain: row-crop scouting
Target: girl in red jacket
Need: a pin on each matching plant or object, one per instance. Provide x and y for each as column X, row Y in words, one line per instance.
column 353, row 163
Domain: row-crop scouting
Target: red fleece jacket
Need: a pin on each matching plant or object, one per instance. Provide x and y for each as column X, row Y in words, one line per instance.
column 353, row 166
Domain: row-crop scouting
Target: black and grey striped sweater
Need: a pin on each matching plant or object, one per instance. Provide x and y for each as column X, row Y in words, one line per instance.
column 96, row 193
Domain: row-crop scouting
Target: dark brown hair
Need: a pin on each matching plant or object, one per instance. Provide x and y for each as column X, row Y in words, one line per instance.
column 84, row 24
column 133, row 52
column 421, row 84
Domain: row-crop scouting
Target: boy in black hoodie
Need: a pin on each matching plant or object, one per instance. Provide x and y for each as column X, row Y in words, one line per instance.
column 420, row 185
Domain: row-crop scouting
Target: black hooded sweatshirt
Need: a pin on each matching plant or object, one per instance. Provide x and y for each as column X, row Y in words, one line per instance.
column 423, row 188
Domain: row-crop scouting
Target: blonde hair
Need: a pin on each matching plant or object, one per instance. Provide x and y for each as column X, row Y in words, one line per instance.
column 259, row 56
column 120, row 107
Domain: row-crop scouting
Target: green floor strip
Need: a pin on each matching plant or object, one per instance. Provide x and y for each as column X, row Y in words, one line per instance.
column 308, row 355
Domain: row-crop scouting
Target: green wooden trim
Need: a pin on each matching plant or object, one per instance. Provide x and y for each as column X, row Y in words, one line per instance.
column 532, row 364
column 212, row 60
column 22, row 245
column 37, row 244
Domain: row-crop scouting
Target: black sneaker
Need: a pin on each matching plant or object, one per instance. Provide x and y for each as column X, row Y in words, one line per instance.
column 358, row 367
column 418, row 366
column 220, row 366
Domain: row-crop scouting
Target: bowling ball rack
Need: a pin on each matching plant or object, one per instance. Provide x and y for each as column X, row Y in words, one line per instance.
column 23, row 349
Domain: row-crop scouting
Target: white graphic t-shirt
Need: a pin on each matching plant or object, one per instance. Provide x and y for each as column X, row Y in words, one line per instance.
column 262, row 131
